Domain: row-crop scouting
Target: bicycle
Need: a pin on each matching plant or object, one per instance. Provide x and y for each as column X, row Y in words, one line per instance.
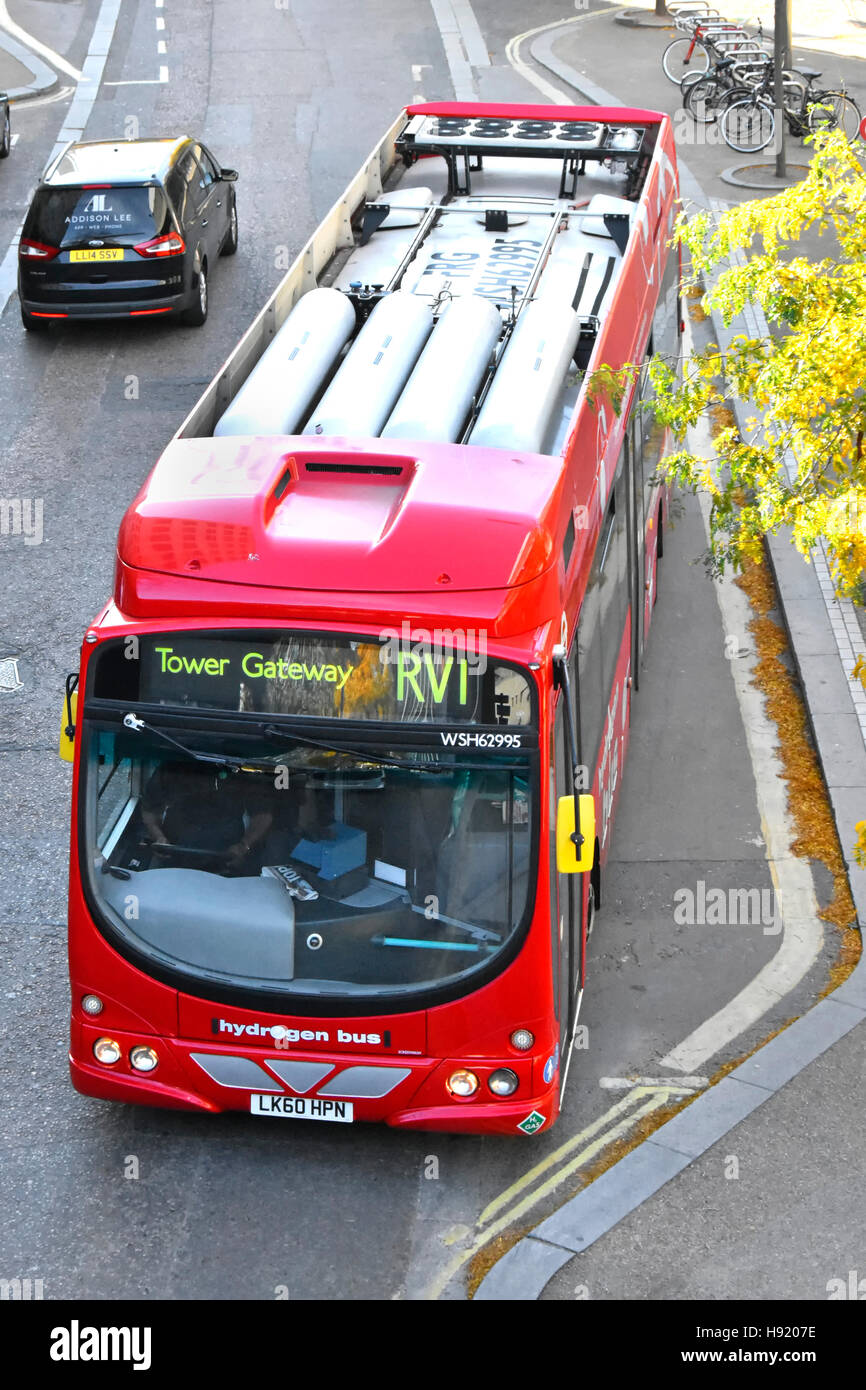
column 705, row 36
column 706, row 95
column 749, row 125
column 706, row 98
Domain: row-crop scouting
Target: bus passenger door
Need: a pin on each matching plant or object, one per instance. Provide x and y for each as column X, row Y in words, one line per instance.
column 636, row 561
column 569, row 898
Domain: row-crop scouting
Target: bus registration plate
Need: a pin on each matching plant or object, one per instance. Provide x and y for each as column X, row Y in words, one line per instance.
column 303, row 1108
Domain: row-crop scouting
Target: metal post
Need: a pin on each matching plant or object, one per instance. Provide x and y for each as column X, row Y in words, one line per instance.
column 781, row 57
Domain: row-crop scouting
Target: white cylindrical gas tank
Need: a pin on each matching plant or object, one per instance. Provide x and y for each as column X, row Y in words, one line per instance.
column 520, row 404
column 438, row 395
column 278, row 391
column 375, row 370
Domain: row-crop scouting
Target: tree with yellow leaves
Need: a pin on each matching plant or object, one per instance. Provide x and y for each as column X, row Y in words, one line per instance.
column 803, row 466
column 806, row 375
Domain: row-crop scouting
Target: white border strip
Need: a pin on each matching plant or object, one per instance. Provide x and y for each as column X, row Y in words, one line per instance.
column 76, row 117
column 8, row 24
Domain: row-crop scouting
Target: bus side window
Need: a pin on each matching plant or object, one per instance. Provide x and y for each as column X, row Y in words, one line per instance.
column 665, row 341
column 589, row 671
column 602, row 622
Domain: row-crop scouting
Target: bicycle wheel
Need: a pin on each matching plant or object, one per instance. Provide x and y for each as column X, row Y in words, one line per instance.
column 748, row 125
column 700, row 98
column 682, row 56
column 689, row 80
column 706, row 101
column 834, row 111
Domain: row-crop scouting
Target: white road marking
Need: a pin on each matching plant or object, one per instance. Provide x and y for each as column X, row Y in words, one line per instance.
column 15, row 138
column 417, row 69
column 61, row 94
column 163, row 74
column 554, row 94
column 456, row 48
column 83, row 101
column 160, row 47
column 160, row 22
column 625, row 1083
column 55, row 59
column 470, row 34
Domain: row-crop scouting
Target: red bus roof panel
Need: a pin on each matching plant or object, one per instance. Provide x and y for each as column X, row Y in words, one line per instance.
column 290, row 513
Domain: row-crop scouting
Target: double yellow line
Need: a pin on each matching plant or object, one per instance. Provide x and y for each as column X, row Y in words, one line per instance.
column 530, row 1190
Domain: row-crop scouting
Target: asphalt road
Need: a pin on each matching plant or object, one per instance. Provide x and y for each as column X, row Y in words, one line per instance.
column 294, row 97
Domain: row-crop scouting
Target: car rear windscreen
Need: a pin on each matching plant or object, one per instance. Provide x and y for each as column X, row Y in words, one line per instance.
column 64, row 216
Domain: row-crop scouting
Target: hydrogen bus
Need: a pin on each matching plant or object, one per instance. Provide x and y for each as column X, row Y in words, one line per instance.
column 349, row 736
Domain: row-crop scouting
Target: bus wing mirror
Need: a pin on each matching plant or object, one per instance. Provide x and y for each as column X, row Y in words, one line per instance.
column 575, row 834
column 68, row 720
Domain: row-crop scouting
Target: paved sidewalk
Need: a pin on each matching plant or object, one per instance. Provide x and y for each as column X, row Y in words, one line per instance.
column 749, row 1192
column 23, row 74
column 840, row 25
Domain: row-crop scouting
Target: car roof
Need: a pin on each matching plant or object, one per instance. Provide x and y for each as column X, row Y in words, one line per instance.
column 114, row 161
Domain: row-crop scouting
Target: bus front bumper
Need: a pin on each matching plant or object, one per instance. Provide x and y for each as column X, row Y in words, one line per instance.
column 403, row 1092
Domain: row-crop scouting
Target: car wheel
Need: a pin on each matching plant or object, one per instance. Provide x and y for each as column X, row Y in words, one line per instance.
column 6, row 141
column 197, row 311
column 230, row 245
column 33, row 325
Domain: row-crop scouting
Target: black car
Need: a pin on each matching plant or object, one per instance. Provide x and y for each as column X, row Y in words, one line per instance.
column 125, row 229
column 5, row 127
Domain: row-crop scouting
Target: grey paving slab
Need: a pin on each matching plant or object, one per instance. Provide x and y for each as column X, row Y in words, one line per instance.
column 611, row 1197
column 709, row 1117
column 826, row 684
column 523, row 1272
column 808, row 627
column 786, row 1055
column 840, row 739
column 853, row 991
column 22, row 73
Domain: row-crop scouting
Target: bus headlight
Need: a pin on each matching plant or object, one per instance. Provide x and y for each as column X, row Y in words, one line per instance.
column 107, row 1051
column 503, row 1082
column 143, row 1058
column 462, row 1083
column 522, row 1039
column 92, row 1004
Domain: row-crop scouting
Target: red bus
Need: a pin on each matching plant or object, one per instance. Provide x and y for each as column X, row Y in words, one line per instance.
column 350, row 732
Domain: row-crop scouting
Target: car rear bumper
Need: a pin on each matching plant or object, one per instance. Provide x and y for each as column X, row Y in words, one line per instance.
column 117, row 309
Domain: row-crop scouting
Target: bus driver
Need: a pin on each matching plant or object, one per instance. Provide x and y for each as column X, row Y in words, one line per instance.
column 206, row 807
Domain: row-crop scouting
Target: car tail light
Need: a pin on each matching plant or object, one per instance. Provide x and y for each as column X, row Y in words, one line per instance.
column 169, row 245
column 36, row 250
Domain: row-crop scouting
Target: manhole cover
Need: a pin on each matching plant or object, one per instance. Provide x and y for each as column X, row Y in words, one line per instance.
column 9, row 679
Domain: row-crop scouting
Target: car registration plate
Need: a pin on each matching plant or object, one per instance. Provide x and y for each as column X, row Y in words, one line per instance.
column 303, row 1108
column 105, row 253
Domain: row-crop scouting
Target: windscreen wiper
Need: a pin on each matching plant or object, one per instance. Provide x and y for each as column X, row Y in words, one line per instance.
column 413, row 764
column 132, row 721
column 271, row 731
